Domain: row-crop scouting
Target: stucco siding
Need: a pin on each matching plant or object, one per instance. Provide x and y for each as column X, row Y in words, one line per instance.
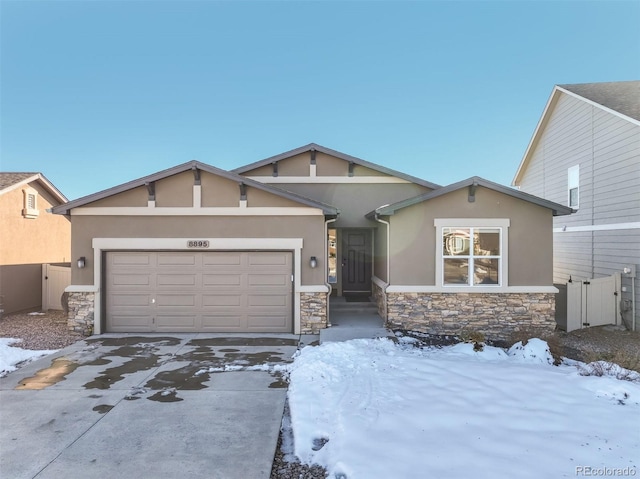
column 413, row 236
column 44, row 239
column 356, row 200
column 310, row 228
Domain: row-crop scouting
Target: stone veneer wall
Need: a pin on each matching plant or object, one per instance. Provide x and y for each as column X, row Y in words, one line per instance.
column 80, row 316
column 313, row 312
column 496, row 315
column 381, row 300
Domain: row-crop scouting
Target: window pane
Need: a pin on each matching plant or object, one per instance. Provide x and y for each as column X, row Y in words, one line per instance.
column 485, row 271
column 455, row 241
column 486, row 242
column 456, row 271
column 573, row 197
column 333, row 256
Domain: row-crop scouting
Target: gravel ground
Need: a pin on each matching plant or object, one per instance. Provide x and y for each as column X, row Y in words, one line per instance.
column 49, row 331
column 38, row 331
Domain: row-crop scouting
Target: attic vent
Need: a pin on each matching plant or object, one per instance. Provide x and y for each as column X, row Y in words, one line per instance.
column 30, row 207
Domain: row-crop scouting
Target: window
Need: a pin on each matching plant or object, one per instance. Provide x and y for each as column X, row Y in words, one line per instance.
column 30, row 208
column 471, row 252
column 574, row 186
column 471, row 256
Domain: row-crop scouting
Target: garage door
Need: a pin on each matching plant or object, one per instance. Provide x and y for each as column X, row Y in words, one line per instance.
column 244, row 291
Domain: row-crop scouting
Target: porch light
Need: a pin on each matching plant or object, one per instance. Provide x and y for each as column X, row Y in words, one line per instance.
column 82, row 262
column 313, row 261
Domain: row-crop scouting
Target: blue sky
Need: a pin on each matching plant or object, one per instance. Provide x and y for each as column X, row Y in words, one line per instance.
column 97, row 93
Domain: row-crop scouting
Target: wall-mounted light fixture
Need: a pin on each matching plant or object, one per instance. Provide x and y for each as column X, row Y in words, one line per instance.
column 82, row 262
column 313, row 261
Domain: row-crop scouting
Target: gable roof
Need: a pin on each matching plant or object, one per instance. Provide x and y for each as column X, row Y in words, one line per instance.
column 193, row 165
column 621, row 99
column 388, row 210
column 10, row 181
column 337, row 154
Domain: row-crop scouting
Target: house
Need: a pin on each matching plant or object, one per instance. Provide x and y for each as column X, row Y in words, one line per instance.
column 585, row 154
column 29, row 238
column 265, row 247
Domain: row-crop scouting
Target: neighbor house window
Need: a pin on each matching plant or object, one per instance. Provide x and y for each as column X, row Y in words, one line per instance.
column 30, row 207
column 471, row 252
column 574, row 186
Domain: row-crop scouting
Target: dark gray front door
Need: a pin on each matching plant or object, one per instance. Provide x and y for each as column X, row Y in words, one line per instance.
column 356, row 260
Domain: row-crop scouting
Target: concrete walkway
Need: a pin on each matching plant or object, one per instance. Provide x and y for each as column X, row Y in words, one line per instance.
column 145, row 405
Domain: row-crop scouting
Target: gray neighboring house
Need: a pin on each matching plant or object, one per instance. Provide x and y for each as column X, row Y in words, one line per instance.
column 585, row 154
column 266, row 248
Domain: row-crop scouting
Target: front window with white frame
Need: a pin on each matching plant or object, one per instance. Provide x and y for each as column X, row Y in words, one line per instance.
column 471, row 252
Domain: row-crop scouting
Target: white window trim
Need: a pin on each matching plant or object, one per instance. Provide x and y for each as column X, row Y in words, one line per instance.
column 27, row 212
column 573, row 181
column 502, row 223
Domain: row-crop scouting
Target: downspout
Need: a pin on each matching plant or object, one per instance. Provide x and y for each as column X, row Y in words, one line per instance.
column 326, row 269
column 377, row 218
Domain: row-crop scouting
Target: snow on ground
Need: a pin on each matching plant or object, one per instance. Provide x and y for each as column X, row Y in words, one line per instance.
column 376, row 409
column 10, row 356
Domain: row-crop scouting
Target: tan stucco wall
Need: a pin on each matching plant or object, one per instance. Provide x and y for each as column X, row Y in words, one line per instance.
column 134, row 197
column 310, row 228
column 175, row 190
column 380, row 252
column 27, row 243
column 45, row 239
column 413, row 236
column 218, row 191
column 356, row 200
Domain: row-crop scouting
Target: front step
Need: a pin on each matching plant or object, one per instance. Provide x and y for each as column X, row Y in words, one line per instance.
column 351, row 308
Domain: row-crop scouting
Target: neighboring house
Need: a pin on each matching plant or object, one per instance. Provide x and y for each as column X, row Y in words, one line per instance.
column 30, row 236
column 263, row 249
column 585, row 154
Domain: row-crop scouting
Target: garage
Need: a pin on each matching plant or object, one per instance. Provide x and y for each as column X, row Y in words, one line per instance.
column 199, row 291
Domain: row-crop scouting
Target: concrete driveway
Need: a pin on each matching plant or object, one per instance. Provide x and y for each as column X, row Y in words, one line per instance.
column 147, row 405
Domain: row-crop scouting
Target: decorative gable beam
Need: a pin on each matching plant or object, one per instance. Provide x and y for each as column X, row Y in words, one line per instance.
column 275, row 168
column 196, row 175
column 351, row 165
column 313, row 156
column 243, row 191
column 151, row 190
column 472, row 192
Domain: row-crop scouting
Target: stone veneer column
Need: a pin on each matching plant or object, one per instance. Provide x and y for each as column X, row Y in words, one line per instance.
column 313, row 312
column 81, row 312
column 380, row 299
column 496, row 315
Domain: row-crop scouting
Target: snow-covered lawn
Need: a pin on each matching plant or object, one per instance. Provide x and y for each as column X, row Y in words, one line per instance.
column 10, row 355
column 367, row 409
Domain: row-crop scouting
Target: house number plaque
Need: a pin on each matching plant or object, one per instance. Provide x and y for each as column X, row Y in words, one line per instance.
column 197, row 244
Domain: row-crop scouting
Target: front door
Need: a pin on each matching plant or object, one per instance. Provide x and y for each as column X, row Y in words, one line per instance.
column 356, row 260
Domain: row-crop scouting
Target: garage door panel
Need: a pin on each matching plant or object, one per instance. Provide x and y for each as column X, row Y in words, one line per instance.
column 130, row 259
column 175, row 300
column 131, row 300
column 222, row 258
column 269, row 259
column 120, row 322
column 223, row 322
column 176, row 259
column 268, row 279
column 265, row 322
column 176, row 322
column 130, row 280
column 279, row 300
column 199, row 291
column 221, row 279
column 176, row 279
column 210, row 301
